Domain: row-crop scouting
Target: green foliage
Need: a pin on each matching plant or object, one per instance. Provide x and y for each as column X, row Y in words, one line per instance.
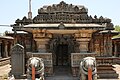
column 116, row 36
column 117, row 28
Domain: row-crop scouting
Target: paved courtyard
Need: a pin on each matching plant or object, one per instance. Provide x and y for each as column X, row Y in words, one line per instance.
column 59, row 75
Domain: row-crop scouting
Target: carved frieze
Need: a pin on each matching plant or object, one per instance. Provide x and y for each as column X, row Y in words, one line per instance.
column 41, row 33
column 84, row 34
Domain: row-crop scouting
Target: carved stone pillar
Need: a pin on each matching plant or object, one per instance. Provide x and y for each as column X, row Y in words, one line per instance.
column 6, row 49
column 11, row 45
column 83, row 44
column 83, row 37
column 0, row 50
column 115, row 48
column 97, row 46
column 108, row 47
column 41, row 45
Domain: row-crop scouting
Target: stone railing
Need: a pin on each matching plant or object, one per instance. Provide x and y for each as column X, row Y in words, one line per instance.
column 4, row 61
column 77, row 57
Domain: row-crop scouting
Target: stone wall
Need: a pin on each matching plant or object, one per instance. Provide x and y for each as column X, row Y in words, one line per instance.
column 48, row 62
column 75, row 61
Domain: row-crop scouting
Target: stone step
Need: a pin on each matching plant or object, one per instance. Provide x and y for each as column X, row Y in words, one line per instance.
column 105, row 65
column 106, row 71
column 108, row 76
column 104, row 68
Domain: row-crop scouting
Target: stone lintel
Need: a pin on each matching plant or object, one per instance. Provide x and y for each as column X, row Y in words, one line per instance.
column 83, row 39
column 41, row 41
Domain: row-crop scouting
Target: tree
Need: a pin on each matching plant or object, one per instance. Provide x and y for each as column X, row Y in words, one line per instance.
column 117, row 28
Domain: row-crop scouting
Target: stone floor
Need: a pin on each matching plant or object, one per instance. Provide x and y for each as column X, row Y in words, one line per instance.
column 62, row 73
column 59, row 74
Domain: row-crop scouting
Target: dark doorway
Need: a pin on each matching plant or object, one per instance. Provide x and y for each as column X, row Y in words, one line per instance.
column 62, row 55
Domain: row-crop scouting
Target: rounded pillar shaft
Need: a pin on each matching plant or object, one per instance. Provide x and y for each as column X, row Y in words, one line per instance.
column 0, row 50
column 6, row 49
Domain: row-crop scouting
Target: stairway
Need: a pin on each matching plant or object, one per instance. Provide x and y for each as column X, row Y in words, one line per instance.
column 106, row 71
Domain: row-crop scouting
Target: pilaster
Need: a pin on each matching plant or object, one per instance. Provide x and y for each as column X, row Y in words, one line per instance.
column 0, row 49
column 115, row 48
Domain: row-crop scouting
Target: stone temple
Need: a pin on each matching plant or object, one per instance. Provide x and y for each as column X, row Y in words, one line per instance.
column 62, row 34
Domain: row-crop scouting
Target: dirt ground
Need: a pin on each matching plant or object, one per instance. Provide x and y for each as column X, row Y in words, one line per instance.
column 4, row 70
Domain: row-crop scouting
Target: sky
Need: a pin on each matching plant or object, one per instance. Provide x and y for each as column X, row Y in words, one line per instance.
column 10, row 10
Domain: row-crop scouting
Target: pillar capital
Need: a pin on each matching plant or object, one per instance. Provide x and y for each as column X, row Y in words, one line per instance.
column 83, row 39
column 42, row 41
column 41, row 44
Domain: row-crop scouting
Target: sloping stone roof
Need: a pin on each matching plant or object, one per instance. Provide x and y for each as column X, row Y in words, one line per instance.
column 65, row 13
column 6, row 37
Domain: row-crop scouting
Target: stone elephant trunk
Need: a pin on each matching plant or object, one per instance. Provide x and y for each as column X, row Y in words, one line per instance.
column 88, row 69
column 35, row 68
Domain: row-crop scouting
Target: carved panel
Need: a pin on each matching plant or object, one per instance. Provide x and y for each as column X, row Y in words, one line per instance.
column 48, row 61
column 47, row 57
column 77, row 57
column 75, row 61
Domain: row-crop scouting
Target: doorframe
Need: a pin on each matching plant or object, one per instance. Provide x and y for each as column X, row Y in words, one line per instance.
column 57, row 54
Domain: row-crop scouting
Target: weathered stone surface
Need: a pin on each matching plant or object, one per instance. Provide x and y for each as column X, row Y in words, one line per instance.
column 17, row 60
column 48, row 62
column 105, row 68
column 106, row 72
column 75, row 61
column 66, row 13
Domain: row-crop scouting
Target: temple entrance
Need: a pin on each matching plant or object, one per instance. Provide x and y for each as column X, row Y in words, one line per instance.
column 62, row 55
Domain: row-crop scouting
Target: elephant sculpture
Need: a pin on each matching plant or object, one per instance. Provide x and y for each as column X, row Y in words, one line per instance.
column 38, row 65
column 87, row 65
